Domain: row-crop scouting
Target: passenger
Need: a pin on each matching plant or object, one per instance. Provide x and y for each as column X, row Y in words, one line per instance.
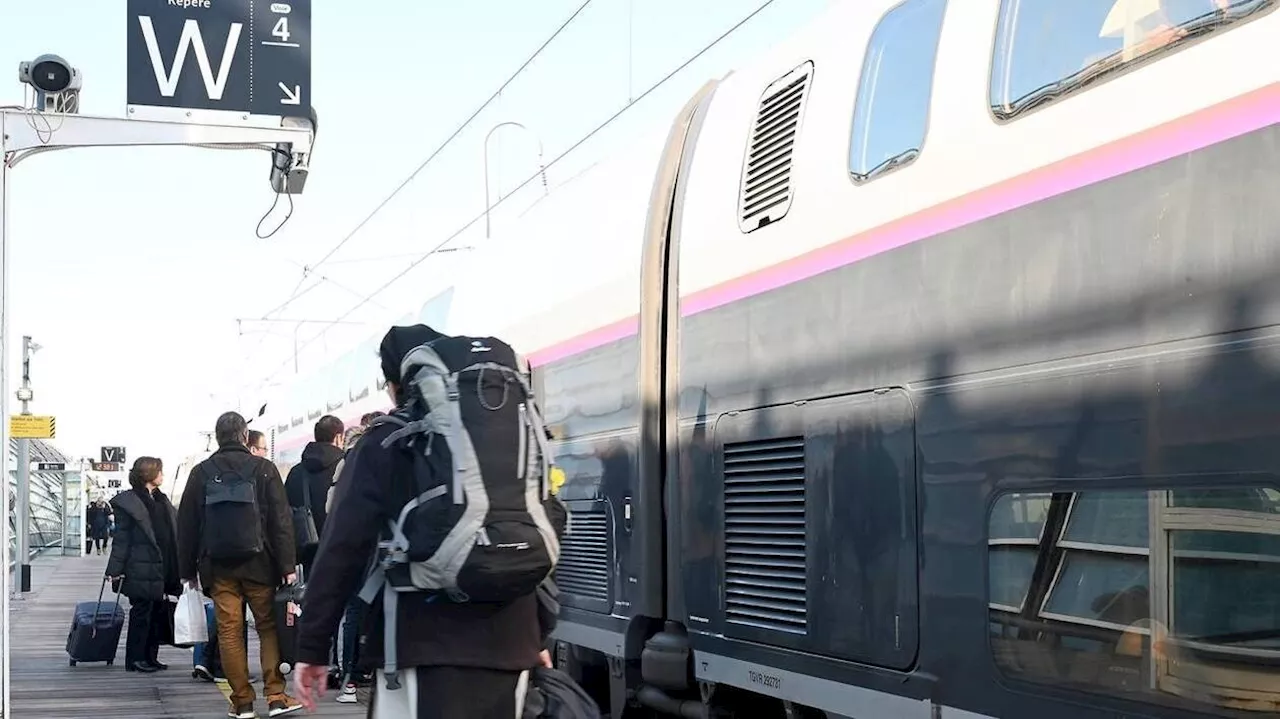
column 316, row 471
column 144, row 563
column 354, row 616
column 212, row 670
column 241, row 552
column 99, row 521
column 469, row 660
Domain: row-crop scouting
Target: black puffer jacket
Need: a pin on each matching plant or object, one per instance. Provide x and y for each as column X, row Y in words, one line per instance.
column 138, row 552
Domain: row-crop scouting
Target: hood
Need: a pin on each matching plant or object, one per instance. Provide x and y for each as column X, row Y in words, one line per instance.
column 128, row 502
column 320, row 456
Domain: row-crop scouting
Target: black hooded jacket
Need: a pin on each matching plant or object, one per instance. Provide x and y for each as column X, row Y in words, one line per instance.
column 319, row 459
column 376, row 482
column 145, row 551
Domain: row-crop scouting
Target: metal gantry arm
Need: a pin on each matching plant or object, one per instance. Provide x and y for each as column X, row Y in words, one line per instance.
column 26, row 130
column 25, row 133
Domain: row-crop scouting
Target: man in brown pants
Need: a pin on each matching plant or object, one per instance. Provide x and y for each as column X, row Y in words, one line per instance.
column 236, row 535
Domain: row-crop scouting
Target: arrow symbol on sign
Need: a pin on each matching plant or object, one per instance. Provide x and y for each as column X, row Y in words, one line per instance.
column 291, row 96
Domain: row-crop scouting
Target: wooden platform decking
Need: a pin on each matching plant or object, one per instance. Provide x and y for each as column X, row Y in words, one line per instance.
column 46, row 687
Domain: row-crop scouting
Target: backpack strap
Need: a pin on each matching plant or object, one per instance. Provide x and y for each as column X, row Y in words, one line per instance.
column 436, row 386
column 305, row 476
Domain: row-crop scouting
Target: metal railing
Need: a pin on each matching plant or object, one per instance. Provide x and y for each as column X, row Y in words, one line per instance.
column 36, row 550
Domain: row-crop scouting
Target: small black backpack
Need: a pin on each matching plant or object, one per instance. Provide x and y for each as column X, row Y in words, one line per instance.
column 232, row 521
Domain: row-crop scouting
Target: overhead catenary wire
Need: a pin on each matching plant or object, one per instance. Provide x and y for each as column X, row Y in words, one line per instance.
column 430, row 158
column 455, row 234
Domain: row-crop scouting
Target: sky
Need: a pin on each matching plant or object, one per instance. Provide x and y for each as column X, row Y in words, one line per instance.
column 139, row 271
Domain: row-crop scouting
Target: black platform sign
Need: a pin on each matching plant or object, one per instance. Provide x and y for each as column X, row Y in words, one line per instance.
column 237, row 55
column 113, row 454
column 51, row 466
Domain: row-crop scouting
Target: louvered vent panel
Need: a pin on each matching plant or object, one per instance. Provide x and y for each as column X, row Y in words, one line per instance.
column 766, row 176
column 764, row 534
column 584, row 556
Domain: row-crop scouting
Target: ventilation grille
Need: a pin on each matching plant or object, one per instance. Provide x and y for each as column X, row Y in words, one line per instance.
column 766, row 176
column 583, row 569
column 764, row 534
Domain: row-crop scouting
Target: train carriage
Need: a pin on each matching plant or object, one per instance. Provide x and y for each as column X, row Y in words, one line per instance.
column 926, row 366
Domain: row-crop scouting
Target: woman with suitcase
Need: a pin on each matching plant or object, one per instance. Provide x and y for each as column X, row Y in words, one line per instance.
column 144, row 563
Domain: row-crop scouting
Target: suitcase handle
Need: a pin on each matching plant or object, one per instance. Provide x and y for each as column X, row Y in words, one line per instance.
column 98, row 605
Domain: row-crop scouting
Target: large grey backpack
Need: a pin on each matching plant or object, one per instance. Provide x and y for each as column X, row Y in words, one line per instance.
column 478, row 528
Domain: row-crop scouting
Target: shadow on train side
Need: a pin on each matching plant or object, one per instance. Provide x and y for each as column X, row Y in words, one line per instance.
column 926, row 575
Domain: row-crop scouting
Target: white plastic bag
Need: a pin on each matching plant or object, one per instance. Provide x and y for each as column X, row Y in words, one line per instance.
column 189, row 625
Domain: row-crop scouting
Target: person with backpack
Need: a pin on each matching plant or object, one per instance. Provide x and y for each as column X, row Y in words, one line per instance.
column 351, row 674
column 235, row 537
column 309, row 480
column 447, row 499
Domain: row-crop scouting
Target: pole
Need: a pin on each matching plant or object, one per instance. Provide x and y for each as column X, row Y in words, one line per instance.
column 22, row 567
column 64, row 511
column 542, row 168
column 4, row 425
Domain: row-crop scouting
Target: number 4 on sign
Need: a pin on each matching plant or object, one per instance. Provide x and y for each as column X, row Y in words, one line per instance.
column 292, row 95
column 281, row 30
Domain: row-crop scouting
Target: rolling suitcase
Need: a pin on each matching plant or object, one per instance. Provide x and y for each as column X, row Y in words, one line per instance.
column 286, row 609
column 95, row 630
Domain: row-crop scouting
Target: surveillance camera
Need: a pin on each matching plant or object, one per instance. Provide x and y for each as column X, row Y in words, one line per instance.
column 49, row 74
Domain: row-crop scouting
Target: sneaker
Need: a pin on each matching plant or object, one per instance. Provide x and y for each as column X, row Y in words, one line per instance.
column 284, row 705
column 244, row 711
column 202, row 673
column 348, row 695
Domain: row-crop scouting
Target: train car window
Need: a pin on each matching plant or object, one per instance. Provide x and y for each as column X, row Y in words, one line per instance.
column 891, row 115
column 1047, row 49
column 1170, row 597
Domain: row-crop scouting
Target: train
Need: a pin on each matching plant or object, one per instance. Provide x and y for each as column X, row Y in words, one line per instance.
column 926, row 366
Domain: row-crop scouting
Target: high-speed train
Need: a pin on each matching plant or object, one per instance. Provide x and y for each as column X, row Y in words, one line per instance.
column 926, row 366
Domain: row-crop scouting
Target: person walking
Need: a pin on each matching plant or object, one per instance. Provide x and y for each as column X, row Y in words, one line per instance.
column 211, row 670
column 143, row 564
column 353, row 618
column 99, row 521
column 458, row 660
column 309, row 480
column 236, row 538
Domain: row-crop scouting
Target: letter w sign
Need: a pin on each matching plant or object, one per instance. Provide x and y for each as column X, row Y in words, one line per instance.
column 191, row 57
column 190, row 40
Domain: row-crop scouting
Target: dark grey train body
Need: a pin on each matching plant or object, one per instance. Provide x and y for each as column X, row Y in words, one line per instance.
column 894, row 420
column 820, row 524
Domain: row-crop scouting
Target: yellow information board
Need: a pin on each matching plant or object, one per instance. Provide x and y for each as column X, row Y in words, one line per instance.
column 32, row 426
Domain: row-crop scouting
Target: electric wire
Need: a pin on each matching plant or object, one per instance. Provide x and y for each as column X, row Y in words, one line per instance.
column 430, row 158
column 439, row 246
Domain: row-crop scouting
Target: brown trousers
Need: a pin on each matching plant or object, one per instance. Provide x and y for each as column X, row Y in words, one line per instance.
column 228, row 595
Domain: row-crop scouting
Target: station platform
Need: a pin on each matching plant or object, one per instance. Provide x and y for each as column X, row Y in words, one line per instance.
column 45, row 686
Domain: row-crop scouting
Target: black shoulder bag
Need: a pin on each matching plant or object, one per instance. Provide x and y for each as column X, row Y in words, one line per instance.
column 305, row 536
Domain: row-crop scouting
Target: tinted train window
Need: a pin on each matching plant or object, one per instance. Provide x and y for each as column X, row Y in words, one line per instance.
column 1168, row 596
column 1046, row 49
column 892, row 110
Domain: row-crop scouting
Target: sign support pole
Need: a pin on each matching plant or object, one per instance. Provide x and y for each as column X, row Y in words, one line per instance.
column 4, row 426
column 22, row 564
